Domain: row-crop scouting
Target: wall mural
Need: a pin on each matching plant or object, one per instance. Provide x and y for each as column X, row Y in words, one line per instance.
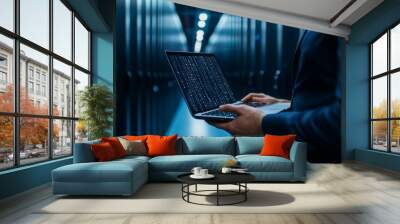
column 283, row 63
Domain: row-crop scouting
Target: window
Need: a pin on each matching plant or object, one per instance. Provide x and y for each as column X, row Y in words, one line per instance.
column 44, row 91
column 62, row 74
column 81, row 45
column 35, row 21
column 62, row 137
column 62, row 29
column 3, row 61
column 6, row 142
column 6, row 73
column 81, row 81
column 7, row 14
column 30, row 87
column 3, row 78
column 37, row 89
column 49, row 80
column 38, row 74
column 385, row 94
column 30, row 72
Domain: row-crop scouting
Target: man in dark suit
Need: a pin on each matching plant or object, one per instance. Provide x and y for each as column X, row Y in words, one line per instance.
column 314, row 115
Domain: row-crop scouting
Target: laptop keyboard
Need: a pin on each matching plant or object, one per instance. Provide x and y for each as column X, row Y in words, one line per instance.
column 218, row 113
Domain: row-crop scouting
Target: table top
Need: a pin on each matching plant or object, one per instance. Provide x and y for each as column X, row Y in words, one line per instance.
column 220, row 178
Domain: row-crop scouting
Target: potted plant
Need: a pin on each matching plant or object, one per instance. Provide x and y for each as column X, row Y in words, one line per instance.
column 96, row 103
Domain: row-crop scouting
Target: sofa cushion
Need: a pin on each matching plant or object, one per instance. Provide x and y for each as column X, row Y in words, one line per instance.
column 112, row 171
column 136, row 147
column 103, row 152
column 116, row 145
column 206, row 145
column 161, row 145
column 185, row 163
column 277, row 145
column 257, row 163
column 249, row 145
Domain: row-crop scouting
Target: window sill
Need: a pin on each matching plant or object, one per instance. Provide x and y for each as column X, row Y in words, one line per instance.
column 30, row 166
column 390, row 161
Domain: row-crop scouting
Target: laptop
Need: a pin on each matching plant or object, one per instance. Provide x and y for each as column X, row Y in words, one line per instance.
column 204, row 87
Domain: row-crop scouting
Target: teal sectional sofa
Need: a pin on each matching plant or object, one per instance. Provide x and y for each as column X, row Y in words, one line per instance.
column 125, row 176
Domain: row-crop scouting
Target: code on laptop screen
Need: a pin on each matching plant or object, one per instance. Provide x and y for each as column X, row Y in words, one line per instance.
column 201, row 80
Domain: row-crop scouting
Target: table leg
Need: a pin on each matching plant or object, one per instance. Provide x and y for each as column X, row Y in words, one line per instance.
column 217, row 194
column 196, row 187
column 188, row 189
column 245, row 193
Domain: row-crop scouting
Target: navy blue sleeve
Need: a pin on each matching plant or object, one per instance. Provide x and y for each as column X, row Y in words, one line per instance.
column 320, row 125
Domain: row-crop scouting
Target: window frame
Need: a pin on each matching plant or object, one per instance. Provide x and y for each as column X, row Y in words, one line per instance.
column 388, row 74
column 16, row 115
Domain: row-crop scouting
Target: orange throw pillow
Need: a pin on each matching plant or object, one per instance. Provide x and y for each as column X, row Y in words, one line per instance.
column 135, row 137
column 161, row 145
column 116, row 145
column 103, row 152
column 277, row 145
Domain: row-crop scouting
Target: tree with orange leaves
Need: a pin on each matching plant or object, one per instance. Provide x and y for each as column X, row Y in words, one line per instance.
column 33, row 131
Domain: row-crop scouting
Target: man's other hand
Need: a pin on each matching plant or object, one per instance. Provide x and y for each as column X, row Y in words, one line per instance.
column 247, row 123
column 261, row 98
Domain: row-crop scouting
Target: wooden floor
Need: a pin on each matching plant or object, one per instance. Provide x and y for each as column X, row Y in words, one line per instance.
column 353, row 182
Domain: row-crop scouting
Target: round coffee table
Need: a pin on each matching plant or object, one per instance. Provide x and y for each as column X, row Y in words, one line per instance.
column 238, row 179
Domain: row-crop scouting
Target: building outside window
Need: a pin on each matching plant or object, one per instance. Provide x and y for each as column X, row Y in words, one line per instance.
column 56, row 128
column 3, row 61
column 38, row 89
column 30, row 87
column 43, row 90
column 384, row 91
column 30, row 72
column 3, row 77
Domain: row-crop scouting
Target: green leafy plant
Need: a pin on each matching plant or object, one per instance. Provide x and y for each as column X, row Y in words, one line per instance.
column 96, row 102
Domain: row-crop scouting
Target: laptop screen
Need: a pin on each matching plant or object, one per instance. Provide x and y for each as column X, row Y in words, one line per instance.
column 201, row 80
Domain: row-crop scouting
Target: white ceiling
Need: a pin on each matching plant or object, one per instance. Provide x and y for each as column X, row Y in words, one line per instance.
column 326, row 16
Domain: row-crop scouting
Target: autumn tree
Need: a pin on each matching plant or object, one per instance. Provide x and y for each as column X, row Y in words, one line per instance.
column 33, row 131
column 380, row 127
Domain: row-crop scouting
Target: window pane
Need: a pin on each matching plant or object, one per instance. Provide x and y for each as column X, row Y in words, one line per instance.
column 7, row 14
column 81, row 81
column 62, row 138
column 35, row 21
column 34, row 72
column 6, row 74
column 379, row 97
column 395, row 135
column 6, row 142
column 395, row 94
column 33, row 139
column 379, row 55
column 81, row 131
column 379, row 135
column 395, row 47
column 62, row 29
column 81, row 45
column 62, row 89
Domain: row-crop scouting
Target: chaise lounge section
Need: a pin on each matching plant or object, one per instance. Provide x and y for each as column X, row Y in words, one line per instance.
column 125, row 176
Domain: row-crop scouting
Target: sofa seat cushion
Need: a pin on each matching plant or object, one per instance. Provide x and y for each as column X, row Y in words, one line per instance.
column 113, row 171
column 185, row 163
column 257, row 163
column 133, row 158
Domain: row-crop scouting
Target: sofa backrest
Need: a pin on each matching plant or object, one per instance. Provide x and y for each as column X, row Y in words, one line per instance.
column 83, row 153
column 206, row 145
column 249, row 145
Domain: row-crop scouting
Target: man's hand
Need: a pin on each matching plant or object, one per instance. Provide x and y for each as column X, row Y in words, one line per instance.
column 261, row 98
column 248, row 121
